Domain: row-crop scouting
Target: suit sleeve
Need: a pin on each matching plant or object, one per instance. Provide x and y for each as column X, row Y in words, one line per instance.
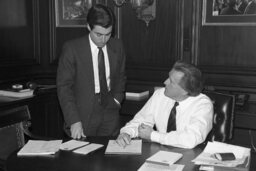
column 65, row 85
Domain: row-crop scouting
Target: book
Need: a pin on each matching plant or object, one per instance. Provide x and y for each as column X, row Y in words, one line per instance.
column 72, row 144
column 133, row 148
column 88, row 148
column 137, row 96
column 40, row 147
column 164, row 158
column 17, row 93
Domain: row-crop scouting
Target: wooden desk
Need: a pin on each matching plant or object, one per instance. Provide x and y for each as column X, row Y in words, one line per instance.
column 98, row 161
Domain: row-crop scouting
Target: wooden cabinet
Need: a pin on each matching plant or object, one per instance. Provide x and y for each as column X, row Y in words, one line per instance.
column 46, row 116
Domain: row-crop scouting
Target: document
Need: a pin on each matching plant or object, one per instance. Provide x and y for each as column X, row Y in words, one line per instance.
column 158, row 167
column 164, row 158
column 38, row 147
column 88, row 148
column 207, row 157
column 133, row 148
column 73, row 144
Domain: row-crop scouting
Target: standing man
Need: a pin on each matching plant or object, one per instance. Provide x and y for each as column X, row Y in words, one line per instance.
column 181, row 114
column 91, row 78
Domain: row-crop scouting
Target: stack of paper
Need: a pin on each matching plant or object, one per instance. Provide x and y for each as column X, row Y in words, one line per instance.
column 38, row 147
column 133, row 148
column 162, row 160
column 206, row 158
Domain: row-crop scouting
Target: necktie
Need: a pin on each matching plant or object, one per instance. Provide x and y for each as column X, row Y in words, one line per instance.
column 171, row 126
column 102, row 77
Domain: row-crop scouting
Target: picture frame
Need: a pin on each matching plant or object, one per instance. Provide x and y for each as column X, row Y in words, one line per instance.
column 211, row 16
column 72, row 13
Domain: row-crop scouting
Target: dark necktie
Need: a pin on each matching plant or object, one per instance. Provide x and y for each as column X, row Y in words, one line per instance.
column 102, row 77
column 171, row 126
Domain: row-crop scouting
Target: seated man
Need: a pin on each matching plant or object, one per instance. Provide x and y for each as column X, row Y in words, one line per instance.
column 194, row 112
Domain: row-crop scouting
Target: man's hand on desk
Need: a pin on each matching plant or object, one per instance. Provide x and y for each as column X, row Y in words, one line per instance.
column 76, row 130
column 123, row 139
column 145, row 131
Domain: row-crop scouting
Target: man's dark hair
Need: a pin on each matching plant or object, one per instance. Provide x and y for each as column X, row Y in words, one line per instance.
column 100, row 15
column 192, row 80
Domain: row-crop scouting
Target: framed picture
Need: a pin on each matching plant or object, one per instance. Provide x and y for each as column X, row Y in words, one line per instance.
column 71, row 13
column 229, row 12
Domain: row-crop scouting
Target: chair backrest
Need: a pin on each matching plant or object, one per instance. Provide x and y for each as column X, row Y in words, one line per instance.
column 11, row 130
column 223, row 117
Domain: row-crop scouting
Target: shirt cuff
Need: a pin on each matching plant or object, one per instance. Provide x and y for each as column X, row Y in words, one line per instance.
column 129, row 132
column 155, row 136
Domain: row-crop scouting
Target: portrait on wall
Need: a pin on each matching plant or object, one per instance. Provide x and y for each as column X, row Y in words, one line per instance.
column 71, row 13
column 229, row 12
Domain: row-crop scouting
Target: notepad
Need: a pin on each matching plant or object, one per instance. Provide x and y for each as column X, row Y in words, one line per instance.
column 72, row 144
column 38, row 147
column 164, row 158
column 88, row 148
column 133, row 148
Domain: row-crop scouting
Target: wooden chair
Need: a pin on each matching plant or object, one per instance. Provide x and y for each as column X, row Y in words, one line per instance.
column 14, row 124
column 223, row 118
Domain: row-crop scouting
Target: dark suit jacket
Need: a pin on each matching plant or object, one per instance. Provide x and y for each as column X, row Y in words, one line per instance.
column 75, row 79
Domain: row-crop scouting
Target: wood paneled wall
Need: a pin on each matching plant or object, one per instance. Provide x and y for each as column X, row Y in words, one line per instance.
column 226, row 54
column 151, row 50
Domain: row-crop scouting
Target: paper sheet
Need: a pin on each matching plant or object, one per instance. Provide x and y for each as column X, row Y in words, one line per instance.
column 88, row 148
column 72, row 144
column 133, row 148
column 157, row 167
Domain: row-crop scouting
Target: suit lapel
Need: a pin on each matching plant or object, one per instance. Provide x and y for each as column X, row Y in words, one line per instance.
column 112, row 56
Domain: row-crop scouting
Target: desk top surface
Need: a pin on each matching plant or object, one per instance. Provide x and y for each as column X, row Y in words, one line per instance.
column 97, row 160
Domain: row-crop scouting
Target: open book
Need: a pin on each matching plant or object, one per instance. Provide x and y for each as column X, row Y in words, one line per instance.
column 38, row 147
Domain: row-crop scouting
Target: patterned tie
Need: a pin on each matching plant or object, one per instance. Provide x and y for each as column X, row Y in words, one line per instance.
column 171, row 126
column 102, row 77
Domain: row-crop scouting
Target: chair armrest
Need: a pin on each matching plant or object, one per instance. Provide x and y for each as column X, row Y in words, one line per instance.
column 29, row 135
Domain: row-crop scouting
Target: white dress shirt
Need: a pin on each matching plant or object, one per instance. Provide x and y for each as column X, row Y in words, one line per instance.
column 95, row 51
column 193, row 120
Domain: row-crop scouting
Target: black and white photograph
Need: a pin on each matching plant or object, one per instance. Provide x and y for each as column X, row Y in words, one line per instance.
column 229, row 12
column 127, row 85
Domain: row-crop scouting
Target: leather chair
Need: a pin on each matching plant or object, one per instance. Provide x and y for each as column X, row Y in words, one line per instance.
column 14, row 125
column 223, row 117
